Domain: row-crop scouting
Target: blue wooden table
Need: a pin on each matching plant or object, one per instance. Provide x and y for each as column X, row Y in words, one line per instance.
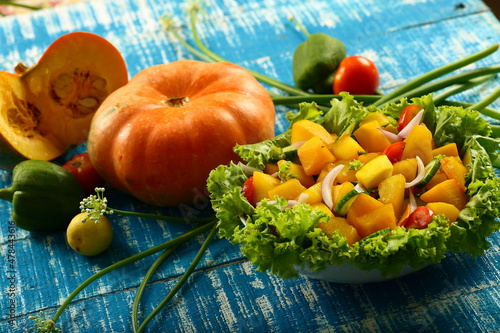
column 225, row 294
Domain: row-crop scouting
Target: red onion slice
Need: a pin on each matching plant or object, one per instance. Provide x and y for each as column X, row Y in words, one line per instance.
column 420, row 174
column 326, row 185
column 303, row 197
column 297, row 144
column 248, row 169
column 243, row 220
column 392, row 137
column 415, row 121
column 413, row 202
column 358, row 185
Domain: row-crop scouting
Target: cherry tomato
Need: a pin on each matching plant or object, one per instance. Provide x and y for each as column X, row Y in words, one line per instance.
column 395, row 151
column 357, row 75
column 419, row 218
column 248, row 191
column 84, row 172
column 407, row 115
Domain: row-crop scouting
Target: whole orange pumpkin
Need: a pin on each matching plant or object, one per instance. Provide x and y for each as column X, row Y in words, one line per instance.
column 159, row 136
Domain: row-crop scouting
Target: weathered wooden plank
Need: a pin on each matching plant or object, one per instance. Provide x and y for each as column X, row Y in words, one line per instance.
column 404, row 38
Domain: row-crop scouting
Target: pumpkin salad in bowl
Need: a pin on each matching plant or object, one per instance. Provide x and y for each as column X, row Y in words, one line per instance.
column 362, row 194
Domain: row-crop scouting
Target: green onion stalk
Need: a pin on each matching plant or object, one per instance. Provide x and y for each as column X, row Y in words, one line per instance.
column 17, row 4
column 430, row 82
column 177, row 287
column 96, row 205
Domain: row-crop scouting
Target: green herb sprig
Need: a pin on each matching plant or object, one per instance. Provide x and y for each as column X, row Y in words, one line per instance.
column 96, row 206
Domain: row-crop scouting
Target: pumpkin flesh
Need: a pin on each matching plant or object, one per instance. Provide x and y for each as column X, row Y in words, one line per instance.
column 19, row 126
column 73, row 77
column 48, row 107
column 158, row 137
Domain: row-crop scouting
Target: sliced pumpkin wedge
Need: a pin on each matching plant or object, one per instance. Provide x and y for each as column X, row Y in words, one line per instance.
column 20, row 120
column 48, row 107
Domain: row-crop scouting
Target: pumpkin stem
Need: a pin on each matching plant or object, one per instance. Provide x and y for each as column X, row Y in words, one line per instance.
column 177, row 102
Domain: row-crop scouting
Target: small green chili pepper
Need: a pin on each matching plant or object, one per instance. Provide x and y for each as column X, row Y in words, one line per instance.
column 44, row 196
column 315, row 62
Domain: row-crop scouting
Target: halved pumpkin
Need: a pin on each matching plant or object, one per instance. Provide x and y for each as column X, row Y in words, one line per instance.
column 48, row 107
column 19, row 122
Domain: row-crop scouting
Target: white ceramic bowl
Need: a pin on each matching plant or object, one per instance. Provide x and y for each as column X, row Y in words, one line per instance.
column 351, row 274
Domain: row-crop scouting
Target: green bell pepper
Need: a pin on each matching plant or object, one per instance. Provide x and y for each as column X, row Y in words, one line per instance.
column 315, row 62
column 44, row 196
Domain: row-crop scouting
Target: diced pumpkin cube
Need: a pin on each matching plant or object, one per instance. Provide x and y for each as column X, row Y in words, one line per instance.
column 313, row 155
column 346, row 148
column 326, row 168
column 390, row 128
column 448, row 191
column 340, row 224
column 373, row 172
column 449, row 149
column 392, row 190
column 454, row 169
column 370, row 138
column 262, row 183
column 305, row 129
column 448, row 210
column 362, row 205
column 375, row 220
column 289, row 190
column 407, row 168
column 345, row 175
column 270, row 168
column 313, row 194
column 338, row 191
column 380, row 118
column 419, row 143
column 439, row 177
column 298, row 171
column 365, row 158
column 324, row 208
column 467, row 158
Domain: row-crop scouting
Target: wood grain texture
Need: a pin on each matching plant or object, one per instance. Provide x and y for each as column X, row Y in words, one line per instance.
column 226, row 294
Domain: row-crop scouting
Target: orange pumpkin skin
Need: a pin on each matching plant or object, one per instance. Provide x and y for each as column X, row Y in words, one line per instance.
column 159, row 136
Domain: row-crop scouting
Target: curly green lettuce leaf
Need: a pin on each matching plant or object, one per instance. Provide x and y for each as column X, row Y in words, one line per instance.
column 344, row 115
column 225, row 187
column 275, row 238
column 481, row 154
column 307, row 111
column 391, row 250
column 479, row 219
column 258, row 153
column 325, row 249
column 456, row 124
